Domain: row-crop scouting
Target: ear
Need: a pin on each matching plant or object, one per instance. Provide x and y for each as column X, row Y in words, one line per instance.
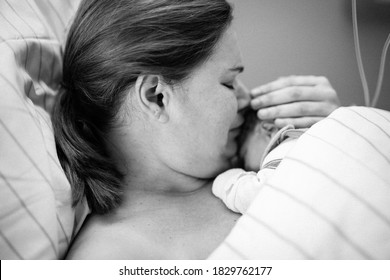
column 153, row 95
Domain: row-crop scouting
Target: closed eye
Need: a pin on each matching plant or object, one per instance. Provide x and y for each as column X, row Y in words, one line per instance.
column 228, row 86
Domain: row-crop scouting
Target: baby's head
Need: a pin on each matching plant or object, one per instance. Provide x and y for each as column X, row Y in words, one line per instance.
column 254, row 138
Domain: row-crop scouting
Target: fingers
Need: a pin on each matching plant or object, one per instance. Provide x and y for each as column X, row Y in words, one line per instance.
column 296, row 109
column 289, row 82
column 303, row 122
column 297, row 100
column 292, row 94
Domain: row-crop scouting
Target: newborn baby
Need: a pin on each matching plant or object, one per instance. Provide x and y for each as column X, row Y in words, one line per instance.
column 262, row 147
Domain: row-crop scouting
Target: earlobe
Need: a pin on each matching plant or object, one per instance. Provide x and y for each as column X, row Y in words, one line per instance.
column 153, row 95
column 161, row 115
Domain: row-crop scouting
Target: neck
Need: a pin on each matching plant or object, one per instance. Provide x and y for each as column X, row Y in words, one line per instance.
column 147, row 175
column 151, row 193
column 153, row 181
column 160, row 180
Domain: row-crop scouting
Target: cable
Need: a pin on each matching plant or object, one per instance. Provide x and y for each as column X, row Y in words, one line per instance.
column 359, row 56
column 381, row 72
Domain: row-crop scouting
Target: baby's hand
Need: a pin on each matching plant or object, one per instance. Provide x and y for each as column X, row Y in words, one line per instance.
column 255, row 137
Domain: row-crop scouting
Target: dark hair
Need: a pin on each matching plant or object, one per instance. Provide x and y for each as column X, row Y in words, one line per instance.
column 110, row 43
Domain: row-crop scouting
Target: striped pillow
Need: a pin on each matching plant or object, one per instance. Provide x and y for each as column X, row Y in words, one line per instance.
column 36, row 217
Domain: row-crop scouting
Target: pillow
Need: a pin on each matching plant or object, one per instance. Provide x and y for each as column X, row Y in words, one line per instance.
column 328, row 199
column 37, row 220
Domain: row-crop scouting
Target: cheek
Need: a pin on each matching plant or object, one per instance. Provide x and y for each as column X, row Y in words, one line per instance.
column 214, row 109
column 210, row 142
column 201, row 133
column 253, row 148
column 226, row 106
column 231, row 105
column 219, row 142
column 223, row 112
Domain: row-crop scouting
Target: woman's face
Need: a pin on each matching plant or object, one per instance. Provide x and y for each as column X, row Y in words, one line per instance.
column 204, row 119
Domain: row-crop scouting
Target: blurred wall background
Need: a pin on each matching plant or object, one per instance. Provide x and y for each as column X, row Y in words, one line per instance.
column 302, row 37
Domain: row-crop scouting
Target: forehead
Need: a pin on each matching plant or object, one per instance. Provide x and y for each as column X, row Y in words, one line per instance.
column 227, row 53
column 226, row 56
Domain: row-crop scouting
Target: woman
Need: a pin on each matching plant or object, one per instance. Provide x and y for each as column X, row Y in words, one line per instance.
column 150, row 114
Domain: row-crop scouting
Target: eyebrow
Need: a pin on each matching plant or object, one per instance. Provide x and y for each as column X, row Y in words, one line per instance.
column 238, row 69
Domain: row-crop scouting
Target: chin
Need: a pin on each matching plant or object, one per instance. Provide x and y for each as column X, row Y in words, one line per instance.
column 219, row 168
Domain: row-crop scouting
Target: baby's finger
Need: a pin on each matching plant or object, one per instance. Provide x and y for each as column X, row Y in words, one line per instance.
column 291, row 94
column 288, row 82
column 296, row 109
column 303, row 122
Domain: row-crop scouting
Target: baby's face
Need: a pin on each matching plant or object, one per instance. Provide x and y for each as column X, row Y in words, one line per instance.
column 255, row 138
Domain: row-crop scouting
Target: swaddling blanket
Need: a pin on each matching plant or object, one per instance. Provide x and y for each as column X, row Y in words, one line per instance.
column 328, row 199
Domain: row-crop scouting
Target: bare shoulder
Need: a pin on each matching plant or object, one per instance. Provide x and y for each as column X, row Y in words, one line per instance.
column 181, row 227
column 100, row 240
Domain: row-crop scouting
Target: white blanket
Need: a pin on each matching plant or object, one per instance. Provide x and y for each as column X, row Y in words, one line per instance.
column 329, row 198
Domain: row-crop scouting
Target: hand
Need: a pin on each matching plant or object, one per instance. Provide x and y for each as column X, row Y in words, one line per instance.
column 297, row 100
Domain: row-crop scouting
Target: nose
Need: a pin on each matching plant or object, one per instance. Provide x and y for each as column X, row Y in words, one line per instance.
column 242, row 94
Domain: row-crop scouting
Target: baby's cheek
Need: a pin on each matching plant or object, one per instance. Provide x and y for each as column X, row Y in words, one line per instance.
column 255, row 147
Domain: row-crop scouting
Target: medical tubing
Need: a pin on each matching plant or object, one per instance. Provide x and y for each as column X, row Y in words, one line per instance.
column 381, row 72
column 366, row 91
